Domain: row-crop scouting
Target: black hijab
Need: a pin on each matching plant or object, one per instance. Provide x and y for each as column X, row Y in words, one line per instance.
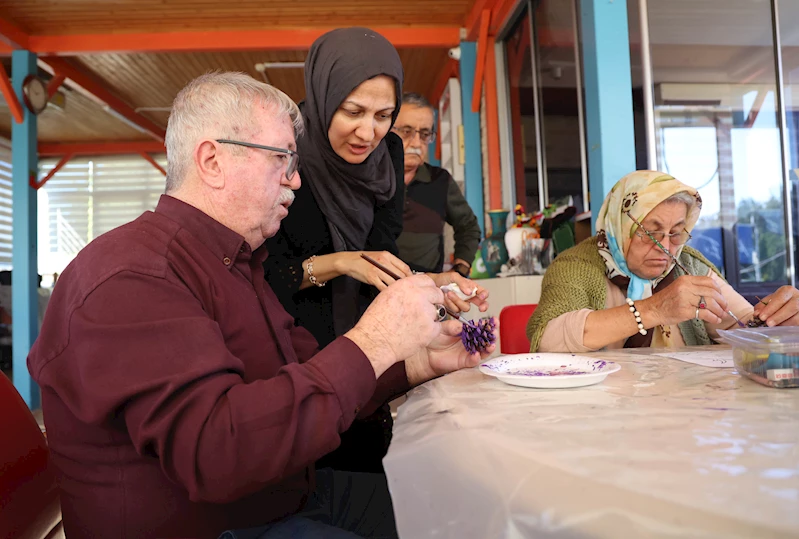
column 338, row 62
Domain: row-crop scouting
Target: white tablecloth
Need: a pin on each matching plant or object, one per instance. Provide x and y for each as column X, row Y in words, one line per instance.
column 661, row 448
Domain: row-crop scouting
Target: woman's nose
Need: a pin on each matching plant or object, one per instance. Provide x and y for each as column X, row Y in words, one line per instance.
column 366, row 130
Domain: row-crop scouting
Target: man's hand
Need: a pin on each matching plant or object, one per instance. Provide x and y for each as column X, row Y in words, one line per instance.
column 443, row 355
column 400, row 321
column 780, row 308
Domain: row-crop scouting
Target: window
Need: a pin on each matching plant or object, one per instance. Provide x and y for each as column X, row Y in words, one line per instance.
column 5, row 208
column 544, row 99
column 717, row 128
column 89, row 197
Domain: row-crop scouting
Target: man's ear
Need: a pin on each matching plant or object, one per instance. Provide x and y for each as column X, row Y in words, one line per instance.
column 209, row 167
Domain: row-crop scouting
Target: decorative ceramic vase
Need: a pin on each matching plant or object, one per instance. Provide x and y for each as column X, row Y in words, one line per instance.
column 527, row 252
column 493, row 247
column 514, row 241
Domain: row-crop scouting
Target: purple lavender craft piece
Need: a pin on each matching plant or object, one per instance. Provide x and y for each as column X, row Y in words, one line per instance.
column 477, row 335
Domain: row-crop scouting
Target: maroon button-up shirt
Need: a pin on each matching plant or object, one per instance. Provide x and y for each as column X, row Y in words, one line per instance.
column 180, row 400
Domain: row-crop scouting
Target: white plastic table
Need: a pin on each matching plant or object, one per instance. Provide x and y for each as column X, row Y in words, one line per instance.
column 661, row 448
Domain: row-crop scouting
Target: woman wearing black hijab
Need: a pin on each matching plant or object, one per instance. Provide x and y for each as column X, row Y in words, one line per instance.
column 350, row 202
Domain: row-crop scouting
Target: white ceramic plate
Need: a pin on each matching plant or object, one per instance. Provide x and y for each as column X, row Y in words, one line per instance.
column 549, row 370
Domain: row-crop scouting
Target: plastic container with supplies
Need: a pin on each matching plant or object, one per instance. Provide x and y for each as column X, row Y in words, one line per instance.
column 769, row 356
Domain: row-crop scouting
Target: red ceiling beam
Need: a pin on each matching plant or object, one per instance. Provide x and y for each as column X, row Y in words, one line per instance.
column 147, row 157
column 450, row 70
column 39, row 184
column 54, row 84
column 95, row 88
column 500, row 14
column 12, row 36
column 54, row 149
column 482, row 50
column 472, row 21
column 492, row 129
column 229, row 40
column 11, row 96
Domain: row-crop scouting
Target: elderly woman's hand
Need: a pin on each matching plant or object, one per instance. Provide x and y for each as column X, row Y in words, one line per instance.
column 780, row 308
column 681, row 300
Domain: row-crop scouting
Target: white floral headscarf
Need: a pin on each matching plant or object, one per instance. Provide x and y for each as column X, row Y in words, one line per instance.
column 639, row 193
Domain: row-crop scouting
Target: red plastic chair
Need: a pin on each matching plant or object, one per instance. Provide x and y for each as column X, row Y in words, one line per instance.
column 29, row 507
column 512, row 328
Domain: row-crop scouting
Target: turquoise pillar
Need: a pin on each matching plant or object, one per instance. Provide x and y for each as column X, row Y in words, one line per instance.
column 431, row 155
column 24, row 296
column 431, row 148
column 473, row 168
column 608, row 96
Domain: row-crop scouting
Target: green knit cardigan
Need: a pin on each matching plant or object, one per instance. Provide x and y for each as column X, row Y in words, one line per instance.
column 576, row 280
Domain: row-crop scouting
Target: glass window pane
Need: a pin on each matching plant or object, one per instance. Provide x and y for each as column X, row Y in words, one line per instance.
column 518, row 58
column 789, row 37
column 718, row 130
column 558, row 81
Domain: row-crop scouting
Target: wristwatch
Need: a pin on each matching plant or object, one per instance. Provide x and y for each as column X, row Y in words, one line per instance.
column 462, row 268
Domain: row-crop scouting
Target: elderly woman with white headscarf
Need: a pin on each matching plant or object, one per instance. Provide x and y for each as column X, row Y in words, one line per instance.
column 621, row 289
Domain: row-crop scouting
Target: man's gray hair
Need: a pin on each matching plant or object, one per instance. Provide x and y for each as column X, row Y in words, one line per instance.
column 683, row 196
column 218, row 105
column 410, row 98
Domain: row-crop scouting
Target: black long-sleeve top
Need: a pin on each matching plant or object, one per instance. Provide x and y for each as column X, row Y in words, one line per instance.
column 305, row 232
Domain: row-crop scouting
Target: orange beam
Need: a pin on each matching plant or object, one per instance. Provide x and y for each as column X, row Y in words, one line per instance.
column 96, row 89
column 500, row 13
column 479, row 71
column 450, row 70
column 492, row 128
column 11, row 96
column 518, row 148
column 54, row 84
column 153, row 162
column 517, row 57
column 228, row 40
column 12, row 35
column 472, row 20
column 99, row 148
column 64, row 160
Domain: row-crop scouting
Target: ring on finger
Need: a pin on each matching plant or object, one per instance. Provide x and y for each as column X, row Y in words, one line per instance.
column 697, row 314
column 702, row 303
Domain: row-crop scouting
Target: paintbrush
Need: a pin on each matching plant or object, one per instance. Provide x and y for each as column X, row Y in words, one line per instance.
column 674, row 259
column 393, row 275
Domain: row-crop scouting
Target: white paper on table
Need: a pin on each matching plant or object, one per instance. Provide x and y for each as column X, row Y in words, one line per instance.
column 706, row 358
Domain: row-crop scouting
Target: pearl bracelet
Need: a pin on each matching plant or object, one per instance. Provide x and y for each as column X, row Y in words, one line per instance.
column 637, row 315
column 311, row 277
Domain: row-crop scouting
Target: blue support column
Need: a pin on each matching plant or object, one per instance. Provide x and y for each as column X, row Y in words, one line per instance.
column 431, row 148
column 608, row 96
column 473, row 168
column 24, row 296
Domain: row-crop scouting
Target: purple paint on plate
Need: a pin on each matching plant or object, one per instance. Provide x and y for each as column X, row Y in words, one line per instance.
column 505, row 366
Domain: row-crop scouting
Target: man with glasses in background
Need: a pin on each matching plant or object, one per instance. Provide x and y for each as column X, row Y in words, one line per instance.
column 179, row 397
column 432, row 198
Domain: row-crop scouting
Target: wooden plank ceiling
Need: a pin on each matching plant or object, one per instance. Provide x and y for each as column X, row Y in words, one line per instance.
column 151, row 80
column 120, row 16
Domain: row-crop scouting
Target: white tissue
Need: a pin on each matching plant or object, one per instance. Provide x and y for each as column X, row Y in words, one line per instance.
column 455, row 288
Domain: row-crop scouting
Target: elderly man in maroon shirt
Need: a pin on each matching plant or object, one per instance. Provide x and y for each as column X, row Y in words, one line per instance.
column 180, row 400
